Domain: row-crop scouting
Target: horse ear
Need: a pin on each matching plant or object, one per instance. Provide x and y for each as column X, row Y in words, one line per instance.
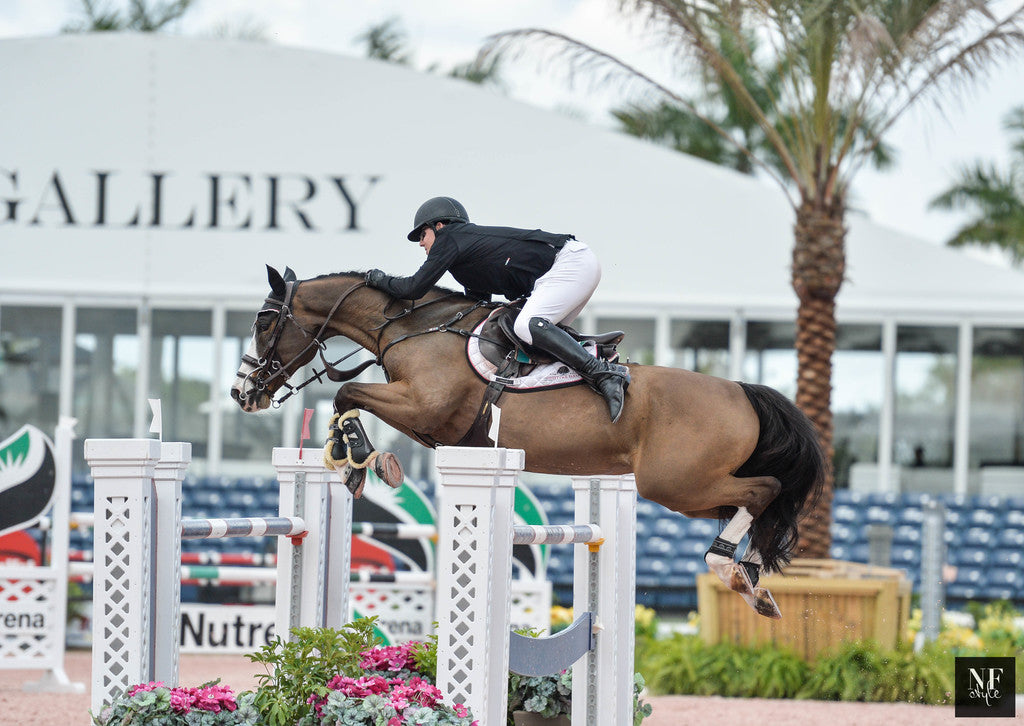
column 289, row 275
column 277, row 285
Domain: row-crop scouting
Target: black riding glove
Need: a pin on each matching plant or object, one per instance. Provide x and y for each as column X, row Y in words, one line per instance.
column 376, row 278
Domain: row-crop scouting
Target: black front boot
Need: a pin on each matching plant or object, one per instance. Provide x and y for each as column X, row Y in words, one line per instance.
column 609, row 379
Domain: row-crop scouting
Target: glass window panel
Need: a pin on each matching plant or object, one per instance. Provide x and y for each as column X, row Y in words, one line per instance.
column 638, row 345
column 997, row 397
column 770, row 357
column 248, row 437
column 925, row 396
column 701, row 345
column 181, row 375
column 29, row 368
column 106, row 364
column 858, row 384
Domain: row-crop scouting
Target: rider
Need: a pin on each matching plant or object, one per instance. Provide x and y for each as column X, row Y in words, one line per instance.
column 558, row 273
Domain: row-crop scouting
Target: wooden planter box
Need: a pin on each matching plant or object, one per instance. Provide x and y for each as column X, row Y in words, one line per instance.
column 823, row 603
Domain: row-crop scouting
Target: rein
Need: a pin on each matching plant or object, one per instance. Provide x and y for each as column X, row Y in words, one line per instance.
column 272, row 369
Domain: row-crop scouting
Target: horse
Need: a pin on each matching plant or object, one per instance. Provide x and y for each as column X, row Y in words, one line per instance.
column 697, row 444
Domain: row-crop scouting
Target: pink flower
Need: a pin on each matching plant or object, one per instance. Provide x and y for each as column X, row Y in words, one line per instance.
column 145, row 687
column 181, row 700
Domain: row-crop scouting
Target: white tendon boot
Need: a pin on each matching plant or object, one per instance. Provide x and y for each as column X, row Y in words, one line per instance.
column 719, row 556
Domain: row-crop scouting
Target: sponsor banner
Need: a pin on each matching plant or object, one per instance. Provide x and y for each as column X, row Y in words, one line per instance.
column 225, row 628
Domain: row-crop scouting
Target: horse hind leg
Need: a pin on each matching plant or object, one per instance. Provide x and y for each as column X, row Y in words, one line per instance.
column 754, row 494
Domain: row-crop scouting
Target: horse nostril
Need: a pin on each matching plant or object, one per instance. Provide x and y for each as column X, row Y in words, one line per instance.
column 236, row 394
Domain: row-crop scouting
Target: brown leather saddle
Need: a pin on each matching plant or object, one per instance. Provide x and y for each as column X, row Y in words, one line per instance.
column 499, row 343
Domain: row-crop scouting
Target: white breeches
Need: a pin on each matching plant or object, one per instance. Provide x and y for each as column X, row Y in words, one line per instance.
column 560, row 294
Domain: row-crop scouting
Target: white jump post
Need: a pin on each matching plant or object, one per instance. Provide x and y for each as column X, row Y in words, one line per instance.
column 474, row 576
column 122, row 471
column 138, row 532
column 319, row 595
column 476, row 531
column 602, row 681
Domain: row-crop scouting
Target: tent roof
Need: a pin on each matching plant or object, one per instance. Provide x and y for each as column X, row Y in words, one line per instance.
column 670, row 230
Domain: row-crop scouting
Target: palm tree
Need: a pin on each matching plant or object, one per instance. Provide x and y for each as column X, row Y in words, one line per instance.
column 387, row 41
column 847, row 71
column 996, row 197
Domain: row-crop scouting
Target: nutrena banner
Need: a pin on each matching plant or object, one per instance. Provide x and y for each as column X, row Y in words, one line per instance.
column 27, row 478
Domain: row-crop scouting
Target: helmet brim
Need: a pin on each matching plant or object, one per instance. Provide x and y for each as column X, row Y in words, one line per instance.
column 414, row 236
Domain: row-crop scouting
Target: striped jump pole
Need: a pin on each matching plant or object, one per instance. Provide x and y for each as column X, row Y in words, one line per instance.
column 242, row 527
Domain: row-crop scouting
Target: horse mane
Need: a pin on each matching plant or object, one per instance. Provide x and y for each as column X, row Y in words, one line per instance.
column 435, row 291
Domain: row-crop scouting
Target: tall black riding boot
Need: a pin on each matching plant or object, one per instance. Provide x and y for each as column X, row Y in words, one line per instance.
column 609, row 379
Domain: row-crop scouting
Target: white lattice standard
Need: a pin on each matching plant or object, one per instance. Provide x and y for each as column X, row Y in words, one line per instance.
column 474, row 577
column 319, row 497
column 122, row 472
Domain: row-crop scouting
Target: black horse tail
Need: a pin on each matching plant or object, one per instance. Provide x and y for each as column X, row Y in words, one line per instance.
column 789, row 449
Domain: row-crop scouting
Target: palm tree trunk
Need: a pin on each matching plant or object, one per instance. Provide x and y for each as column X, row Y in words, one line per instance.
column 819, row 262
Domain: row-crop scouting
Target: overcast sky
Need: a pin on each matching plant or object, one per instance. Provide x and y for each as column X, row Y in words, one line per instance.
column 447, row 32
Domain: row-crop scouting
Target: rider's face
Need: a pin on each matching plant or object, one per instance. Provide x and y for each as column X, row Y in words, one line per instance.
column 427, row 237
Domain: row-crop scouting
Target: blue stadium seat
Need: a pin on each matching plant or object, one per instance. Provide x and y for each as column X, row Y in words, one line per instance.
column 1008, row 577
column 1011, row 538
column 676, row 599
column 969, row 556
column 955, row 518
column 842, row 533
column 1013, row 518
column 906, row 534
column 657, row 547
column 668, row 527
column 880, row 515
column 957, row 591
column 978, row 536
column 982, row 518
column 904, row 556
column 882, row 499
column 701, row 528
column 270, row 502
column 998, row 593
column 840, row 551
column 910, row 515
column 990, row 501
column 970, row 576
column 1007, row 558
column 693, row 548
column 845, row 514
column 859, row 553
column 241, row 499
column 690, row 567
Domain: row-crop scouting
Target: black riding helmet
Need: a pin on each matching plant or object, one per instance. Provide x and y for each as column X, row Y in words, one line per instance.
column 438, row 209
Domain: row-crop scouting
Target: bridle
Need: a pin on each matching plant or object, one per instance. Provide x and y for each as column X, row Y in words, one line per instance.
column 267, row 369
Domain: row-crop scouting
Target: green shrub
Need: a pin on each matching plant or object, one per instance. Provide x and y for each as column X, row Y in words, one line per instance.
column 302, row 667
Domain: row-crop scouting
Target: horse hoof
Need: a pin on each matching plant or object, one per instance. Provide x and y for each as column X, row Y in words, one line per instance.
column 388, row 469
column 354, row 480
column 733, row 575
column 764, row 604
